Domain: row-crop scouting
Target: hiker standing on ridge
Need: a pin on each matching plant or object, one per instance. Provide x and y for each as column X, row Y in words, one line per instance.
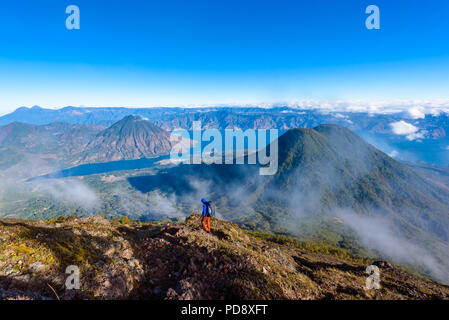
column 207, row 213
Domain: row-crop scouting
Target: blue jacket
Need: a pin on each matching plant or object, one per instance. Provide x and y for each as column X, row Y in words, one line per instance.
column 204, row 207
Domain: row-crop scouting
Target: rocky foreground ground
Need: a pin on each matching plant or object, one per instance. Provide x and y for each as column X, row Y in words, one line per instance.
column 125, row 260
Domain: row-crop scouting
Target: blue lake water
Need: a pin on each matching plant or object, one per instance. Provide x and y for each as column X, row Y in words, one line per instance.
column 98, row 168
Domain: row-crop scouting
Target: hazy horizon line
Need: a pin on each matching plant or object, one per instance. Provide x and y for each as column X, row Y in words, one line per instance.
column 417, row 107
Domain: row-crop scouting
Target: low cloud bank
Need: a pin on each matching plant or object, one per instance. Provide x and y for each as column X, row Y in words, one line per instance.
column 69, row 190
column 415, row 109
column 378, row 234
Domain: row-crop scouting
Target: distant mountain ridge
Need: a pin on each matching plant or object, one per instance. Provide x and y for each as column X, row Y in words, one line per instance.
column 58, row 141
column 278, row 116
column 71, row 144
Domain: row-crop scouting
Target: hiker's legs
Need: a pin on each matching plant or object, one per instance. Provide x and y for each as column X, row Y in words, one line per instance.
column 208, row 223
column 204, row 223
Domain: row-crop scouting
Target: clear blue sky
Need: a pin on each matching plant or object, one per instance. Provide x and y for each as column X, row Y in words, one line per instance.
column 144, row 53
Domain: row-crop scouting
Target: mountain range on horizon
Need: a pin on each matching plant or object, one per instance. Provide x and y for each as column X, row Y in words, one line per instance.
column 411, row 135
column 247, row 117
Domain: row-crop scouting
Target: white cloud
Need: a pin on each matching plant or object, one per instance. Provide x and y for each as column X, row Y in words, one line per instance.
column 416, row 109
column 415, row 136
column 381, row 235
column 393, row 154
column 407, row 129
column 417, row 113
column 69, row 190
column 340, row 116
column 403, row 128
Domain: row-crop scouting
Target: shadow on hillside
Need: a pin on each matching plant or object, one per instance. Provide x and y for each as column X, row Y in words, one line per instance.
column 219, row 234
column 139, row 233
column 167, row 182
column 181, row 179
column 304, row 265
column 38, row 288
